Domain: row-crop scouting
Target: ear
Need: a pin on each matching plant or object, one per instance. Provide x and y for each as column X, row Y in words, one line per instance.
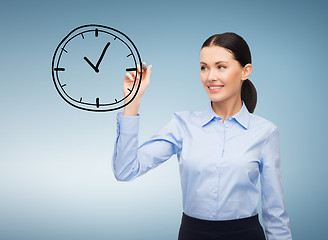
column 246, row 71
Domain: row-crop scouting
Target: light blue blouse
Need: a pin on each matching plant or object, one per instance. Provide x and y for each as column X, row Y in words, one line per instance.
column 219, row 163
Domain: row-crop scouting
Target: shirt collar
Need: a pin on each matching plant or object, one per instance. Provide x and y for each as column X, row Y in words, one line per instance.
column 242, row 117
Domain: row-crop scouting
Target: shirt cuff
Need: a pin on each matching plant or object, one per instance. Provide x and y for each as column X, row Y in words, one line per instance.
column 127, row 124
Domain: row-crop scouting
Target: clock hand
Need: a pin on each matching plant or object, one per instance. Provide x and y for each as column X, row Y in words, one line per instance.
column 102, row 55
column 96, row 68
column 90, row 63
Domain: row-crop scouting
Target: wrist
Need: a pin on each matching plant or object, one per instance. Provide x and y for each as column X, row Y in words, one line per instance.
column 132, row 108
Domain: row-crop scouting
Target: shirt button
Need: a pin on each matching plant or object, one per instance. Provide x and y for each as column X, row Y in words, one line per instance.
column 217, row 166
column 214, row 190
column 213, row 214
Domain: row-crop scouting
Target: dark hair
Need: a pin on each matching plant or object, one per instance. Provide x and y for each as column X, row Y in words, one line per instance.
column 240, row 51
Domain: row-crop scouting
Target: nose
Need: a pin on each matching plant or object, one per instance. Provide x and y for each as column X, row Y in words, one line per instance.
column 212, row 76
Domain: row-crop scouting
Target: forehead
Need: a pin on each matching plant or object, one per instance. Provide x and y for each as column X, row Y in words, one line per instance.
column 215, row 53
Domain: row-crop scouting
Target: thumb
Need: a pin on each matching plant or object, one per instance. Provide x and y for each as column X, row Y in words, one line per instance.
column 147, row 72
column 149, row 68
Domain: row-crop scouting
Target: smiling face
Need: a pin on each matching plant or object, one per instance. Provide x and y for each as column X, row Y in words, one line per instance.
column 221, row 75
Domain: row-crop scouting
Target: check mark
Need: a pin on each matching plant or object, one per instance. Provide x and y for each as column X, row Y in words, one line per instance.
column 96, row 68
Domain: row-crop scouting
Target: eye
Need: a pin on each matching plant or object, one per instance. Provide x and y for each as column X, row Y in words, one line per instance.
column 202, row 68
column 222, row 67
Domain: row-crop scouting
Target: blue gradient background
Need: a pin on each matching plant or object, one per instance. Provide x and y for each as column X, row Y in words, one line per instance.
column 56, row 180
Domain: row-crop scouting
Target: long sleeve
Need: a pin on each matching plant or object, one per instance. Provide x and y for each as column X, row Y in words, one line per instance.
column 274, row 214
column 131, row 160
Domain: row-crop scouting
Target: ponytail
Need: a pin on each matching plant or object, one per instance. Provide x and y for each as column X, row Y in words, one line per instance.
column 249, row 95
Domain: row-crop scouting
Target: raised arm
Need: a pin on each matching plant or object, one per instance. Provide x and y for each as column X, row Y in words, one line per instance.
column 130, row 160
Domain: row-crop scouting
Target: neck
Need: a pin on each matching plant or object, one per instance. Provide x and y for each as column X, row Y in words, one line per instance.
column 227, row 108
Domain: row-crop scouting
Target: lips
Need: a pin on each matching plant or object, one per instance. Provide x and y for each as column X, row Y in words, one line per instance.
column 221, row 86
column 215, row 88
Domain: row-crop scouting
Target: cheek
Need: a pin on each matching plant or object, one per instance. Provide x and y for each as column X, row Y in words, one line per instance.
column 203, row 78
column 232, row 77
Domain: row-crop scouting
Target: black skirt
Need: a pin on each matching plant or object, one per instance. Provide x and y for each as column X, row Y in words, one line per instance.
column 237, row 229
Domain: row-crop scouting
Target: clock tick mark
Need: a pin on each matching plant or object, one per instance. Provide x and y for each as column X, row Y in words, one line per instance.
column 82, row 35
column 129, row 55
column 115, row 38
column 80, row 99
column 59, row 69
column 96, row 33
column 115, row 100
column 129, row 89
column 131, row 69
column 64, row 50
column 63, row 85
column 97, row 102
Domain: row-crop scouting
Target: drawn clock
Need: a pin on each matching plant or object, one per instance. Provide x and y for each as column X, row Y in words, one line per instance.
column 89, row 65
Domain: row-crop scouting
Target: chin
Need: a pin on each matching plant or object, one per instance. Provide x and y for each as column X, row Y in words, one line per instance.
column 214, row 98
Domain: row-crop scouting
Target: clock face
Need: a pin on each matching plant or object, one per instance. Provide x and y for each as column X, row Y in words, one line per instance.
column 89, row 66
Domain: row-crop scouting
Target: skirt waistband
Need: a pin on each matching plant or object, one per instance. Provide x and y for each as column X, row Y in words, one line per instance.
column 226, row 225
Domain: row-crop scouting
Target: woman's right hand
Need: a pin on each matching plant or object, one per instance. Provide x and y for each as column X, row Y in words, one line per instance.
column 132, row 108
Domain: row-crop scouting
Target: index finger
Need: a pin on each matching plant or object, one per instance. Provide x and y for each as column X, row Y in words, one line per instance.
column 143, row 68
column 138, row 68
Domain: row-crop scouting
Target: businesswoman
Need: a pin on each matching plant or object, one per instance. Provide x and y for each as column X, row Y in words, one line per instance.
column 221, row 150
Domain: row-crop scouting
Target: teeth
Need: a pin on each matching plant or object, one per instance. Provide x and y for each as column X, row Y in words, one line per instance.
column 215, row 87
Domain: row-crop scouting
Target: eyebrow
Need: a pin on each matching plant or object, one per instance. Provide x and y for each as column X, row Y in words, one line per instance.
column 216, row 62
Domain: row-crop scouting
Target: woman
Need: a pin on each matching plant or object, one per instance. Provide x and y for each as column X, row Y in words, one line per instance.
column 221, row 150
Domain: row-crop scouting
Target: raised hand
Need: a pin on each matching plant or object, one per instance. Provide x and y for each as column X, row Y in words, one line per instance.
column 132, row 108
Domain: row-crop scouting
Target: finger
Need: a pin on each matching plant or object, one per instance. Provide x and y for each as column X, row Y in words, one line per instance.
column 129, row 77
column 133, row 74
column 138, row 71
column 148, row 72
column 144, row 66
